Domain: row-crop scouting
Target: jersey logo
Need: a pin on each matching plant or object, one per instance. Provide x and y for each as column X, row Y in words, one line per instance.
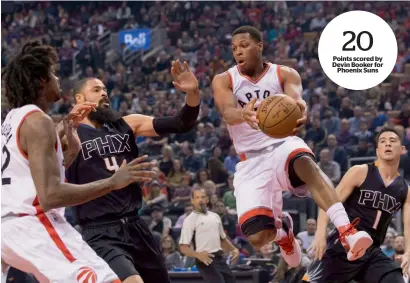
column 249, row 96
column 109, row 145
column 377, row 200
column 86, row 275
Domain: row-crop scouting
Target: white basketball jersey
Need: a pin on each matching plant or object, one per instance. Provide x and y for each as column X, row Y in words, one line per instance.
column 18, row 193
column 245, row 89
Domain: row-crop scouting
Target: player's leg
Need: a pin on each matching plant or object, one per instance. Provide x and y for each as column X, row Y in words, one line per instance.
column 146, row 252
column 43, row 246
column 302, row 169
column 381, row 269
column 252, row 183
column 115, row 248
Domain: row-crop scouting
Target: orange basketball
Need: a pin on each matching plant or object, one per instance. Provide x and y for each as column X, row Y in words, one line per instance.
column 277, row 115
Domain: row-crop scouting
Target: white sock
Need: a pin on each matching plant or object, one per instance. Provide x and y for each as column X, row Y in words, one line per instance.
column 337, row 214
column 280, row 234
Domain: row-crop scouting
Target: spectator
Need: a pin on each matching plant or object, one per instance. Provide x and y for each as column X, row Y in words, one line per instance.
column 155, row 197
column 330, row 122
column 337, row 154
column 329, row 167
column 229, row 197
column 173, row 259
column 325, row 107
column 213, row 199
column 217, row 153
column 363, row 150
column 187, row 210
column 225, row 141
column 201, row 177
column 231, row 160
column 160, row 223
column 208, row 141
column 190, row 161
column 176, row 175
column 356, row 121
column 346, row 111
column 364, row 133
column 387, row 247
column 316, row 134
column 308, row 236
column 166, row 163
column 344, row 137
column 228, row 221
column 180, row 196
column 217, row 172
column 404, row 115
column 398, row 248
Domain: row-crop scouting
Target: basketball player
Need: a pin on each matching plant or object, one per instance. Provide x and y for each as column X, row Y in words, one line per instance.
column 269, row 165
column 36, row 238
column 110, row 224
column 373, row 192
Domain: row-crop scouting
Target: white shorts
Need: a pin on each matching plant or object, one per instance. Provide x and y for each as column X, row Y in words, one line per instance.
column 262, row 176
column 48, row 247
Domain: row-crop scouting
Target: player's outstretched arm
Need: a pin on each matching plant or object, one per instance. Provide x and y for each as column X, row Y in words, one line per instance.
column 184, row 121
column 292, row 86
column 38, row 139
column 405, row 265
column 353, row 178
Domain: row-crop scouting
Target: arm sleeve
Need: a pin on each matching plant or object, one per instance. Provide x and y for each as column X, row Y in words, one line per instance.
column 181, row 123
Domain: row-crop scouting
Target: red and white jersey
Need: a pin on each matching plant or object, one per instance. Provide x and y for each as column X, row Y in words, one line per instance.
column 18, row 193
column 245, row 89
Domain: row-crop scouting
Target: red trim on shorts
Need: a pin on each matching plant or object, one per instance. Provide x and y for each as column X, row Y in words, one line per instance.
column 294, row 153
column 280, row 77
column 18, row 132
column 230, row 80
column 51, row 231
column 242, row 156
column 258, row 78
column 116, row 281
column 254, row 212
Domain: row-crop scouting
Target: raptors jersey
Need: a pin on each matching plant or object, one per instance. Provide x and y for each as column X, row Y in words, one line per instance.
column 245, row 89
column 18, row 193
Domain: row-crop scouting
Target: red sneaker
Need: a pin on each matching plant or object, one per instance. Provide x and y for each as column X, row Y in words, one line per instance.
column 289, row 247
column 355, row 242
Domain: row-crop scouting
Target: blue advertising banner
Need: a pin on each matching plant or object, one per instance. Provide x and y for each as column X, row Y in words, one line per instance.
column 137, row 39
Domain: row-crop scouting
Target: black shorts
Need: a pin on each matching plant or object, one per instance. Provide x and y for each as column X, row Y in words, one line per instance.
column 129, row 248
column 336, row 268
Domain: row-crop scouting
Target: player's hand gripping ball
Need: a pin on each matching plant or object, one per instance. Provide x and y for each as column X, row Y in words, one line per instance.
column 278, row 116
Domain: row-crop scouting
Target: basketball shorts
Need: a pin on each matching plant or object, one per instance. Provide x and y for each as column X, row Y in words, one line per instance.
column 262, row 176
column 336, row 268
column 129, row 248
column 48, row 247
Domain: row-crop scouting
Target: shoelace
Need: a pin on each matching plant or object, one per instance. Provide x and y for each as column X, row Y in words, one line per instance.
column 348, row 232
column 287, row 244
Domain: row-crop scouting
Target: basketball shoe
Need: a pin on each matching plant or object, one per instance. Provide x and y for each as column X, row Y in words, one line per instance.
column 355, row 242
column 289, row 247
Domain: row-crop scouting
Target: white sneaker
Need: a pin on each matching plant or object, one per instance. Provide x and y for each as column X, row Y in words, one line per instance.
column 355, row 242
column 289, row 247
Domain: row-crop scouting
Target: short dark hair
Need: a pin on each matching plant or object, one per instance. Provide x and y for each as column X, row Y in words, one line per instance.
column 78, row 86
column 253, row 32
column 388, row 129
column 23, row 77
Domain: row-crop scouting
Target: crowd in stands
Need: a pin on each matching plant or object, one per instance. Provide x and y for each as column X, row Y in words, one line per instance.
column 342, row 123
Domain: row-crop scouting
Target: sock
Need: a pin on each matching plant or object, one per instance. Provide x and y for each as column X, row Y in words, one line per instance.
column 280, row 234
column 337, row 214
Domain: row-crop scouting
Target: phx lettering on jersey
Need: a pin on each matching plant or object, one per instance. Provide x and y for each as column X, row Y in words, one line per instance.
column 249, row 96
column 109, row 145
column 378, row 200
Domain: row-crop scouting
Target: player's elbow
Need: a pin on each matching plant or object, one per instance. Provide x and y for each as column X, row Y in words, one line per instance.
column 49, row 200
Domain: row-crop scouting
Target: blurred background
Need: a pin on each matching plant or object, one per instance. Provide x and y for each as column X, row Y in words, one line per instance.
column 130, row 45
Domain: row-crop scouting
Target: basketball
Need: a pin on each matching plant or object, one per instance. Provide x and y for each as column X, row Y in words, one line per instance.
column 278, row 115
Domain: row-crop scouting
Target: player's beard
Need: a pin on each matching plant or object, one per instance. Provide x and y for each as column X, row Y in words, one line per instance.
column 103, row 115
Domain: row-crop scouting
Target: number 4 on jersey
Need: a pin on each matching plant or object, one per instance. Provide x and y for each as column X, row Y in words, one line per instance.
column 114, row 167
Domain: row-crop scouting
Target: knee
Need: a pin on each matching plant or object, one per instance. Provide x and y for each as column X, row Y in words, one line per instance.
column 261, row 238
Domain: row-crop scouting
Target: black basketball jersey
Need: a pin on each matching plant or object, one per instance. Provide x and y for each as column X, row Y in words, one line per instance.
column 102, row 152
column 375, row 204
